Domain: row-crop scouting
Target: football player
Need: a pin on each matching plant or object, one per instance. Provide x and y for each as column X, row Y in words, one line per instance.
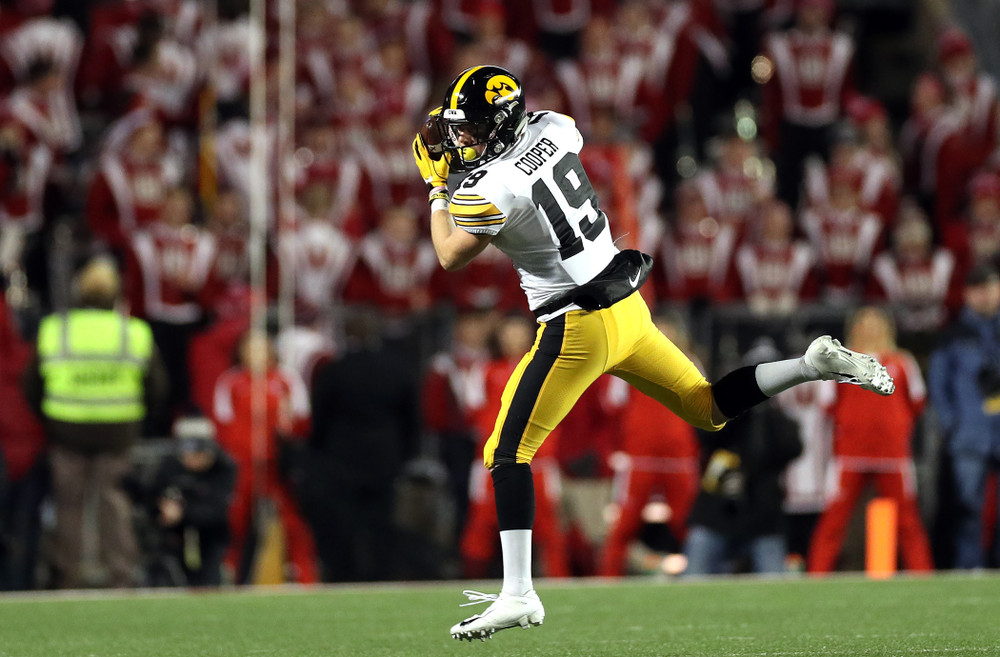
column 525, row 191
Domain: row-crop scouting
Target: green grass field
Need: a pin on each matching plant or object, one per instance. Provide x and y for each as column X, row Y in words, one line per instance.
column 944, row 615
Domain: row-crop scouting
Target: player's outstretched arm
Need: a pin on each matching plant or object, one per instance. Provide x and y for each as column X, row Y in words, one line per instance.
column 455, row 248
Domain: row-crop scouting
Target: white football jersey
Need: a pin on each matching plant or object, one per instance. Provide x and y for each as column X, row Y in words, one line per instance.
column 538, row 203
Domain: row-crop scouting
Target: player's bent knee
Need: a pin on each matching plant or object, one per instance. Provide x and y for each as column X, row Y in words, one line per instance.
column 701, row 410
column 713, row 423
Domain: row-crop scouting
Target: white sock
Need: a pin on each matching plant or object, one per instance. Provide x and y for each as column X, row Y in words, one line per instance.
column 775, row 377
column 516, row 547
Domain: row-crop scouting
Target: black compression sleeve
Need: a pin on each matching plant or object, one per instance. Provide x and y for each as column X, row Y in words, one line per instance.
column 515, row 495
column 738, row 391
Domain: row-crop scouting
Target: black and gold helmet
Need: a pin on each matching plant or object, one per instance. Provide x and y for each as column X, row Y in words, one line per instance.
column 488, row 103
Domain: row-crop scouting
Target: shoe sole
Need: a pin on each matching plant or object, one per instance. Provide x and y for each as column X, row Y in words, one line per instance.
column 877, row 381
column 525, row 622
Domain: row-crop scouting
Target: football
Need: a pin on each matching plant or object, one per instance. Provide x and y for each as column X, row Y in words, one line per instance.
column 430, row 132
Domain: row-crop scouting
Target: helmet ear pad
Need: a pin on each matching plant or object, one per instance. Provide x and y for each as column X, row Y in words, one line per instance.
column 503, row 116
column 499, row 119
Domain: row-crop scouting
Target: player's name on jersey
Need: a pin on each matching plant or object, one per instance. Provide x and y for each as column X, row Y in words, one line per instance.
column 536, row 156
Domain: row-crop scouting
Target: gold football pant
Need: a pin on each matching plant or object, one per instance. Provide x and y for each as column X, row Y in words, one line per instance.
column 570, row 352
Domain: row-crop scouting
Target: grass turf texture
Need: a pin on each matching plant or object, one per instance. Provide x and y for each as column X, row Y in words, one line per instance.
column 944, row 615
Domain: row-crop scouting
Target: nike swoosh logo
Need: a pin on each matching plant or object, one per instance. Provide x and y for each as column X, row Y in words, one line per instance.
column 633, row 281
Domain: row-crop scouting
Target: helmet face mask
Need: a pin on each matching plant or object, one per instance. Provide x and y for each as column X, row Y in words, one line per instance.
column 483, row 114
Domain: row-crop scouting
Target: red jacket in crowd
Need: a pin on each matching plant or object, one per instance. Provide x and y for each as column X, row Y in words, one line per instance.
column 21, row 436
column 867, row 425
column 287, row 413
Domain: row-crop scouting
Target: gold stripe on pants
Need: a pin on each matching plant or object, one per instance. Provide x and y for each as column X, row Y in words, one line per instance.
column 570, row 353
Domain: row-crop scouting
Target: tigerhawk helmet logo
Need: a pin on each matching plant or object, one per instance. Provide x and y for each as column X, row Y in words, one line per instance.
column 500, row 87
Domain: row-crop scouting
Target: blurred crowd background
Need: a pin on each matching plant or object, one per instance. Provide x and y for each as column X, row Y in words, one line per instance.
column 796, row 167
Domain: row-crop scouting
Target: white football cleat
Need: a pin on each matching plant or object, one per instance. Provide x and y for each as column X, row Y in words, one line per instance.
column 506, row 611
column 836, row 362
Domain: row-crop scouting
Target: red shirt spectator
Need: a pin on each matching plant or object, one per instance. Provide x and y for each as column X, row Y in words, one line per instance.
column 974, row 95
column 877, row 157
column 933, row 150
column 397, row 88
column 357, row 112
column 163, row 78
column 395, row 267
column 930, row 139
column 492, row 43
column 144, row 47
column 871, row 441
column 43, row 54
column 812, row 71
column 733, row 190
column 173, row 258
column 24, row 176
column 775, row 270
column 868, row 428
column 844, row 238
column 807, row 80
column 917, row 278
column 212, row 352
column 287, row 412
column 489, row 281
column 322, row 258
column 602, row 77
column 980, row 239
column 686, row 33
column 315, row 75
column 695, row 258
column 227, row 44
column 232, row 150
column 864, row 149
column 352, row 44
column 455, row 393
column 230, row 268
column 391, row 172
column 429, row 43
column 342, row 184
column 38, row 124
column 130, row 187
column 286, row 416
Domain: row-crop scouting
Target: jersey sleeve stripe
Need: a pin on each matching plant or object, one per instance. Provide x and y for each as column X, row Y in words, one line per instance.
column 471, row 202
column 477, row 210
column 481, row 221
column 496, row 218
column 469, row 197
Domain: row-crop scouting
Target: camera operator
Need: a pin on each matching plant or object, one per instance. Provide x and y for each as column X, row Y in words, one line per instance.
column 192, row 490
column 964, row 386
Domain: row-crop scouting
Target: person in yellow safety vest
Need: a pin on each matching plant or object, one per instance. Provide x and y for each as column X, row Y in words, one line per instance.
column 95, row 376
